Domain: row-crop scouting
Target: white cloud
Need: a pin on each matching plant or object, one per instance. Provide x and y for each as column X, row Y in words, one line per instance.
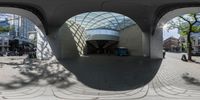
column 170, row 33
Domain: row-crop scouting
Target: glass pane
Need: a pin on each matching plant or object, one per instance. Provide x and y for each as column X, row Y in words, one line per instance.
column 109, row 20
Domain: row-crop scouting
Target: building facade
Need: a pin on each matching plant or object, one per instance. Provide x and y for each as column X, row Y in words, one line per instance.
column 171, row 44
column 4, row 36
column 16, row 41
column 4, row 43
column 195, row 37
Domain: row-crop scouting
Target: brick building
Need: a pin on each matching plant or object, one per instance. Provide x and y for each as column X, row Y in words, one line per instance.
column 171, row 44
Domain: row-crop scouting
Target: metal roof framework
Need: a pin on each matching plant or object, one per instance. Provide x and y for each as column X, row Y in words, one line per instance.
column 103, row 20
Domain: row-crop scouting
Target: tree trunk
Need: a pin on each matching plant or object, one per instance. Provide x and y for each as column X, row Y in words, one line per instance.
column 189, row 46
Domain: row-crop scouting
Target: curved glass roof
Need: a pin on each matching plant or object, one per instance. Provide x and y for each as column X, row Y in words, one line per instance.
column 102, row 20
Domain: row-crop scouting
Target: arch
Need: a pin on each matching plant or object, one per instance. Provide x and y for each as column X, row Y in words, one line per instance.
column 103, row 10
column 83, row 23
column 107, row 65
column 41, row 31
column 99, row 17
column 157, row 38
column 177, row 12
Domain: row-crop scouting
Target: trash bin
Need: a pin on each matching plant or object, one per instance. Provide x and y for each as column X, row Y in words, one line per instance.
column 122, row 51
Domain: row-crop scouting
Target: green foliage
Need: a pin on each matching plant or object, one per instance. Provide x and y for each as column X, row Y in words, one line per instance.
column 184, row 45
column 6, row 29
column 183, row 30
column 184, row 23
column 195, row 29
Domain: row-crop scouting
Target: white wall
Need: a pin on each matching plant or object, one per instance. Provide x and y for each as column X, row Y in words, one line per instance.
column 67, row 42
column 103, row 37
column 44, row 50
column 156, row 44
column 146, row 44
column 131, row 38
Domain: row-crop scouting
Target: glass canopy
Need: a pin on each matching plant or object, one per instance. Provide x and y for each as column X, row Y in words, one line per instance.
column 102, row 20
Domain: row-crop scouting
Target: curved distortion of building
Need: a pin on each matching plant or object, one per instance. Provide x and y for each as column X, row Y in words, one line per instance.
column 102, row 32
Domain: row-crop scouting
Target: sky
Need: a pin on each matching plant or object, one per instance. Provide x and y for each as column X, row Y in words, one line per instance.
column 3, row 16
column 10, row 17
column 167, row 34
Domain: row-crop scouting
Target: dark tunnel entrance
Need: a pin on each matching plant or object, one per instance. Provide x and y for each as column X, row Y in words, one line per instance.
column 101, row 47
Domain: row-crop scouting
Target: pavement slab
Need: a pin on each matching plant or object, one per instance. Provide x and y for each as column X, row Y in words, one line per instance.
column 40, row 80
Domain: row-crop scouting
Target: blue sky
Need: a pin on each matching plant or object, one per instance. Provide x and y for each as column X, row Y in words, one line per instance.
column 167, row 34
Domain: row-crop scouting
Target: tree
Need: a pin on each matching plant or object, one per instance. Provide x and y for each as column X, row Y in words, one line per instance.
column 186, row 24
column 6, row 29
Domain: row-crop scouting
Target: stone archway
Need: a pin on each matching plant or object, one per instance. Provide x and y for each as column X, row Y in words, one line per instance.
column 42, row 40
column 156, row 45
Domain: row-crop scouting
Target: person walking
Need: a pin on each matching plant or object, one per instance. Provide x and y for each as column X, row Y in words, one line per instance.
column 164, row 53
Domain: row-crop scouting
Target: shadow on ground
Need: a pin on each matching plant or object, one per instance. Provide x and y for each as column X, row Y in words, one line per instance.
column 99, row 72
column 196, row 62
column 32, row 72
column 190, row 80
column 113, row 73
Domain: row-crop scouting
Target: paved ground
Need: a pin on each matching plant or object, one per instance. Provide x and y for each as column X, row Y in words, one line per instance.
column 47, row 81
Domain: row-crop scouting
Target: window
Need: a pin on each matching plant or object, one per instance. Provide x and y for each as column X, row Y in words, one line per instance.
column 1, row 41
column 6, row 43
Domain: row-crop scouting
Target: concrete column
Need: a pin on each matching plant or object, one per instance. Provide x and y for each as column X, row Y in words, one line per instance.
column 146, row 44
column 156, row 44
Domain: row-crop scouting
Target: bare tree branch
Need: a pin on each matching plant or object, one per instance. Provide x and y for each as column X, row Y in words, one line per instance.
column 195, row 19
column 185, row 20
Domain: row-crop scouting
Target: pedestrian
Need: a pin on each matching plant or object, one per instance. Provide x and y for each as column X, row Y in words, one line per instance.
column 164, row 52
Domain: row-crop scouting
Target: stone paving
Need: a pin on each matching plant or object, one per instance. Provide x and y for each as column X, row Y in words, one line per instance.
column 44, row 81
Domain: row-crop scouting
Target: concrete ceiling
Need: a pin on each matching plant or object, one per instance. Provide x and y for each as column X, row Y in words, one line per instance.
column 146, row 13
